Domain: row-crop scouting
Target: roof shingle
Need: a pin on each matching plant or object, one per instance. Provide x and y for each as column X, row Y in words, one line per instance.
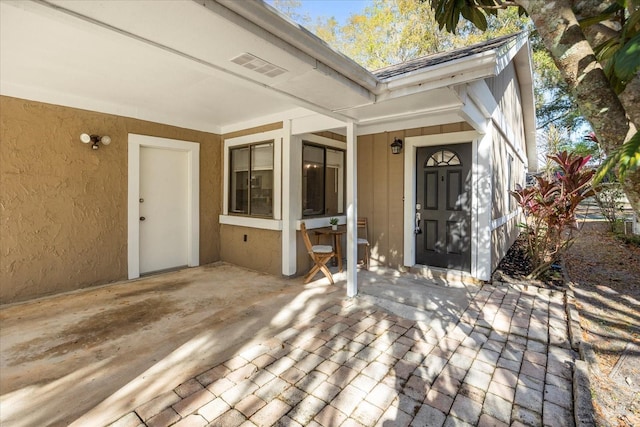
column 441, row 57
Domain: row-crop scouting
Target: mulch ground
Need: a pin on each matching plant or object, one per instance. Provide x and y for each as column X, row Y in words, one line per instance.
column 605, row 275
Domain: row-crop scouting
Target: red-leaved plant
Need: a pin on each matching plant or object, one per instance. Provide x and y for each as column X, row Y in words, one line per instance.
column 549, row 209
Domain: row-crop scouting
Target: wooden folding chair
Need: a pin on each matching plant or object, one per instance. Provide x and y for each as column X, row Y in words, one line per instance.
column 320, row 254
column 363, row 240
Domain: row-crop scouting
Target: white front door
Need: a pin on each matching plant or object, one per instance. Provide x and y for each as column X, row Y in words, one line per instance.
column 163, row 209
column 163, row 204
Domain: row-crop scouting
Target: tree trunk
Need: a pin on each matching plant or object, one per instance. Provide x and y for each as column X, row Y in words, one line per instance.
column 630, row 98
column 559, row 29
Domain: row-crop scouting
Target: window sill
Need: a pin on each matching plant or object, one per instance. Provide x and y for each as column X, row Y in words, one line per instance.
column 247, row 221
column 320, row 222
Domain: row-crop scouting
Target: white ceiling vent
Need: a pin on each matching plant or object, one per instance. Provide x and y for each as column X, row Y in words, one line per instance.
column 258, row 65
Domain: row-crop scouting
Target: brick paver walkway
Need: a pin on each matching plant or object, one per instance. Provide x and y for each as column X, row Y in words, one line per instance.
column 506, row 362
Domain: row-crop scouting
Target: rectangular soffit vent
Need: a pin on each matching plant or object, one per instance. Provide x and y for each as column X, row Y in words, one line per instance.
column 258, row 65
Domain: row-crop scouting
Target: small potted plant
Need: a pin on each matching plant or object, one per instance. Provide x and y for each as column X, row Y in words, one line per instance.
column 334, row 223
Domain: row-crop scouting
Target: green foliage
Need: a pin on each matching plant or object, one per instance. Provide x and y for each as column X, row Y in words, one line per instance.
column 448, row 12
column 626, row 158
column 630, row 239
column 386, row 33
column 549, row 210
column 392, row 32
column 627, row 60
column 555, row 104
column 608, row 197
column 619, row 55
column 290, row 8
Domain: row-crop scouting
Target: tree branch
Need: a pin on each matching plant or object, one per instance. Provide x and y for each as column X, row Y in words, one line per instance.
column 590, row 8
column 503, row 5
column 553, row 119
column 599, row 33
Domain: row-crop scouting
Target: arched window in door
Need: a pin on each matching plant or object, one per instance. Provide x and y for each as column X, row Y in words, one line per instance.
column 443, row 158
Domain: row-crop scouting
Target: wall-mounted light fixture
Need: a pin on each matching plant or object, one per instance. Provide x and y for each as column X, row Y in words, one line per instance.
column 94, row 140
column 396, row 146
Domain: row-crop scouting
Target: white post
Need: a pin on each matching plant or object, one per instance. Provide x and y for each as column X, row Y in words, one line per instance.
column 352, row 211
column 481, row 206
column 290, row 184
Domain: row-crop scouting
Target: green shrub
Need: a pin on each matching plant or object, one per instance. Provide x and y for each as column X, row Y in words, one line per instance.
column 549, row 210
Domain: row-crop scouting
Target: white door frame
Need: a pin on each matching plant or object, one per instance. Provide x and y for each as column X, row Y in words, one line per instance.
column 479, row 202
column 193, row 217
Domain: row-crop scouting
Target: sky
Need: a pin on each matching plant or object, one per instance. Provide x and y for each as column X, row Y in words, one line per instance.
column 339, row 9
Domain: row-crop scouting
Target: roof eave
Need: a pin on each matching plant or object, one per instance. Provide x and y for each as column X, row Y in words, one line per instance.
column 271, row 20
column 524, row 68
column 444, row 74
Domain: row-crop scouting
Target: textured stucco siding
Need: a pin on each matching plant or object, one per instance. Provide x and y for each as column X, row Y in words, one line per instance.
column 260, row 251
column 63, row 206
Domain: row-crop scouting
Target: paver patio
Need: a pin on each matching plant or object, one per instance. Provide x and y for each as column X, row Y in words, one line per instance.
column 506, row 360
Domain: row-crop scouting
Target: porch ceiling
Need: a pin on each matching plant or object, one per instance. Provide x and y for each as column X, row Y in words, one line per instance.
column 170, row 62
column 167, row 61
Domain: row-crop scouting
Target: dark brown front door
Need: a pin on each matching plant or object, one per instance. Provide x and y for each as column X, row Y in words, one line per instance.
column 443, row 206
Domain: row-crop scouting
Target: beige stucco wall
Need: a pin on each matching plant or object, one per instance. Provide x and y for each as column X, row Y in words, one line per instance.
column 262, row 250
column 381, row 190
column 63, row 206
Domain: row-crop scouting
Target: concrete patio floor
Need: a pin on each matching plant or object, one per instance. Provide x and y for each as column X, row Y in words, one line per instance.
column 220, row 345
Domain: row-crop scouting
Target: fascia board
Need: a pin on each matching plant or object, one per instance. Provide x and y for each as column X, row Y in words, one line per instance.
column 315, row 123
column 453, row 107
column 504, row 58
column 264, row 120
column 445, row 73
column 524, row 70
column 409, row 122
column 466, row 76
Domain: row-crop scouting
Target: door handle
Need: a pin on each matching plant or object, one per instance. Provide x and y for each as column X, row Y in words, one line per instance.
column 142, row 218
column 417, row 230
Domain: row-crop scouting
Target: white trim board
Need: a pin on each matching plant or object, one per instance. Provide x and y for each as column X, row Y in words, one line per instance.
column 499, row 222
column 252, row 222
column 133, row 211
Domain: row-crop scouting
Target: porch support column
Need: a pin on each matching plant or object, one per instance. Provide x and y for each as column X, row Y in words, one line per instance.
column 481, row 239
column 352, row 211
column 290, row 185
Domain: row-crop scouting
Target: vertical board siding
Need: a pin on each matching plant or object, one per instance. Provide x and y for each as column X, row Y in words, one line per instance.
column 506, row 90
column 381, row 190
column 380, row 196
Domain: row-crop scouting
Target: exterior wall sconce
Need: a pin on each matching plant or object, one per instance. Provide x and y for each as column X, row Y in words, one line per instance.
column 94, row 140
column 396, row 146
